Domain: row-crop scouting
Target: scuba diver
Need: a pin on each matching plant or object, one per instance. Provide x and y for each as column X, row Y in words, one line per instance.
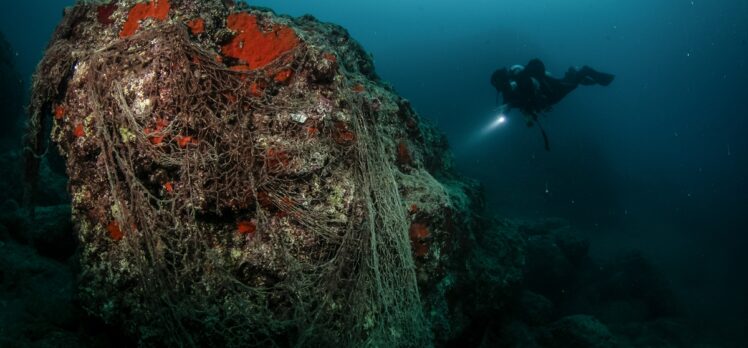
column 533, row 90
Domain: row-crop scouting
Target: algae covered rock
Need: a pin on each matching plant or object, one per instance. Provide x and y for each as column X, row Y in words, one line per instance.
column 241, row 178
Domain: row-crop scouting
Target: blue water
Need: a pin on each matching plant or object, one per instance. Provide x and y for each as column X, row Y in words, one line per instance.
column 654, row 162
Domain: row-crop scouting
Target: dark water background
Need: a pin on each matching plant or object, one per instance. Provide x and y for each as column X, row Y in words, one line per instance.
column 656, row 162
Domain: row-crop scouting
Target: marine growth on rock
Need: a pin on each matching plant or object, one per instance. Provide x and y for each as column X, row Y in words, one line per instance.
column 241, row 178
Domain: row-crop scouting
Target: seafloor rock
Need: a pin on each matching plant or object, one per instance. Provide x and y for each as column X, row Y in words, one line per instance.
column 534, row 309
column 551, row 261
column 11, row 96
column 14, row 220
column 579, row 331
column 36, row 300
column 514, row 333
column 241, row 178
column 626, row 296
column 52, row 232
column 51, row 189
column 478, row 288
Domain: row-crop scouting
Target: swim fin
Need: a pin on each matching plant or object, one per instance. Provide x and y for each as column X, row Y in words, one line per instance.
column 603, row 79
column 597, row 77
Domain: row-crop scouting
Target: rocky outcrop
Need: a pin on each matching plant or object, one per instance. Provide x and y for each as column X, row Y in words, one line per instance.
column 566, row 299
column 239, row 177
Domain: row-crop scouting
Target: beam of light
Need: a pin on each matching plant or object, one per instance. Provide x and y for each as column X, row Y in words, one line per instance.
column 497, row 122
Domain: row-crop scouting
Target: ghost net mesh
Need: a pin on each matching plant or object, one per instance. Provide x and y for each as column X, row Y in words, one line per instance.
column 161, row 110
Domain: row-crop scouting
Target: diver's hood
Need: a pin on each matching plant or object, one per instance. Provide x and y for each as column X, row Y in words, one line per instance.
column 516, row 69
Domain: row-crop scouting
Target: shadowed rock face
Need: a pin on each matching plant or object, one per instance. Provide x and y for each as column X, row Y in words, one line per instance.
column 11, row 96
column 239, row 178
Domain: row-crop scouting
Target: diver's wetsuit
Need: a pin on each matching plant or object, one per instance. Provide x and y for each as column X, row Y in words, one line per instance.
column 532, row 90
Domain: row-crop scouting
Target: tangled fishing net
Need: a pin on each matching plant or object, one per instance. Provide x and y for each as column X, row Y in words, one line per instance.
column 240, row 178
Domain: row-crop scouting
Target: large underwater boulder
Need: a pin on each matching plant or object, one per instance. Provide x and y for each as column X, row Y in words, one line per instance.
column 241, row 178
